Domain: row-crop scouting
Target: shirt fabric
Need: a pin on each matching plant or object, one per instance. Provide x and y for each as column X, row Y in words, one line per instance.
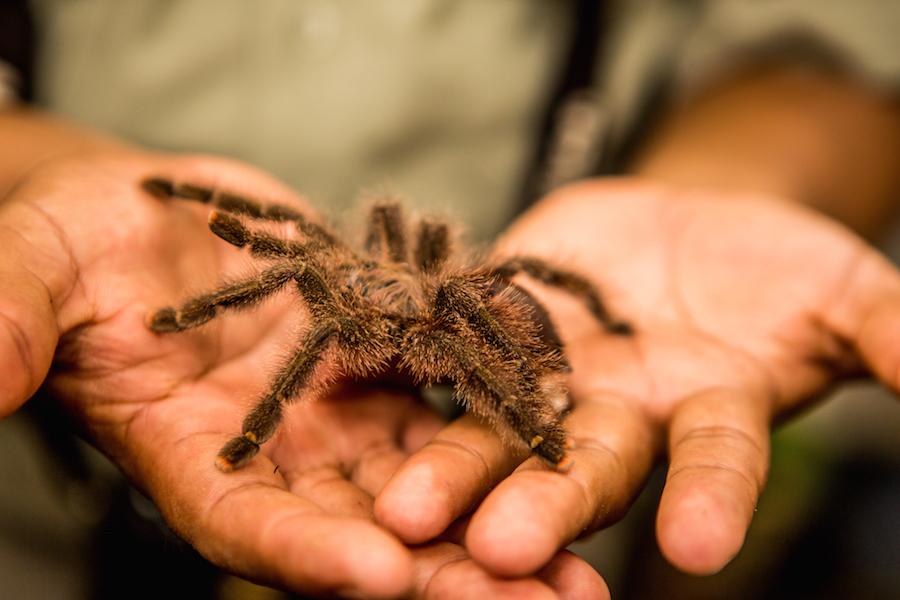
column 438, row 100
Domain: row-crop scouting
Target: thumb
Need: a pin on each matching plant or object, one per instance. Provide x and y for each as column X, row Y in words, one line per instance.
column 867, row 315
column 28, row 325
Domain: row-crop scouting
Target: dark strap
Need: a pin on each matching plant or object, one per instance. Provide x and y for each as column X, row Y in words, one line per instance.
column 17, row 43
column 578, row 74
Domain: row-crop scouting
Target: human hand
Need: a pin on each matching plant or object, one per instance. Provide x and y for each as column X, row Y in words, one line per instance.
column 745, row 308
column 86, row 256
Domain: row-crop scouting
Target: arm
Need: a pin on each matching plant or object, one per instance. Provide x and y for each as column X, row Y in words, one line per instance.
column 85, row 256
column 812, row 136
column 746, row 303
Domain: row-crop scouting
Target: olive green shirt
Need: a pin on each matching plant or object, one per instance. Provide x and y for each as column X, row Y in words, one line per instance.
column 437, row 100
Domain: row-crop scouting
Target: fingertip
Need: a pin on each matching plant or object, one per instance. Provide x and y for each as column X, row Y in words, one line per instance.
column 877, row 341
column 443, row 481
column 248, row 523
column 573, row 578
column 412, row 504
column 445, row 571
column 719, row 449
column 530, row 515
column 515, row 531
column 387, row 572
column 699, row 531
column 346, row 558
column 334, row 556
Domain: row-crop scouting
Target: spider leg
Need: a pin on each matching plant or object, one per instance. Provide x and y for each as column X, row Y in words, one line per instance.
column 571, row 282
column 238, row 295
column 163, row 188
column 363, row 335
column 505, row 320
column 502, row 368
column 233, row 203
column 365, row 344
column 386, row 235
column 247, row 292
column 489, row 389
column 433, row 246
column 260, row 424
column 261, row 245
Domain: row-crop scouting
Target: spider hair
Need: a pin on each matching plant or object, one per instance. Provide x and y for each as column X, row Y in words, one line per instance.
column 397, row 302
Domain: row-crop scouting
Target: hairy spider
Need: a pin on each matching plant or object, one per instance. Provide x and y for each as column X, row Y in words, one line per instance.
column 438, row 320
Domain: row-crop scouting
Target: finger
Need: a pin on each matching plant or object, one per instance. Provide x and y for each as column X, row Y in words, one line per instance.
column 444, row 480
column 32, row 280
column 343, row 491
column 246, row 522
column 357, row 436
column 867, row 314
column 521, row 524
column 377, row 463
column 573, row 578
column 328, row 488
column 719, row 449
column 445, row 571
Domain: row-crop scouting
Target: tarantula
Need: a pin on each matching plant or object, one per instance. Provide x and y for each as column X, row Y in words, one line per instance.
column 414, row 307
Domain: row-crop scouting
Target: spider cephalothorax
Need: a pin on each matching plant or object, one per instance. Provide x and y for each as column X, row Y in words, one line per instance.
column 414, row 306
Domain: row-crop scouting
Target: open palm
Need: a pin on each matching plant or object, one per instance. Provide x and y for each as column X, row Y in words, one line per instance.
column 745, row 308
column 86, row 256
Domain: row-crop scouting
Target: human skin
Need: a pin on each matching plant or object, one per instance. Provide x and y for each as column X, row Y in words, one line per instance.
column 747, row 301
column 86, row 256
column 733, row 330
column 714, row 361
